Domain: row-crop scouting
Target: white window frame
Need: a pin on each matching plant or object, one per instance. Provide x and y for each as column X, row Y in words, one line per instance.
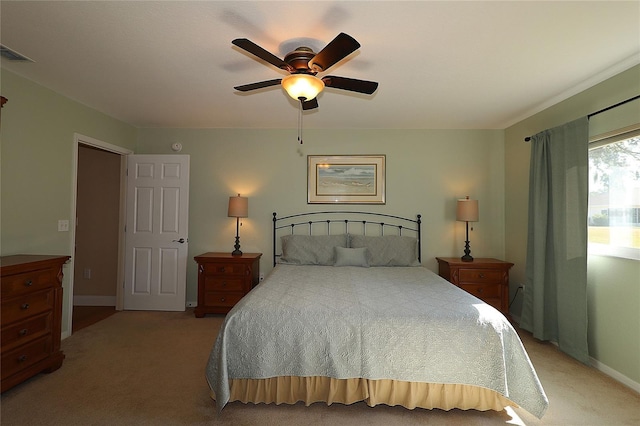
column 596, row 142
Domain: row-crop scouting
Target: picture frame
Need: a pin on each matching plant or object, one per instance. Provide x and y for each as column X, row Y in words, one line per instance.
column 346, row 179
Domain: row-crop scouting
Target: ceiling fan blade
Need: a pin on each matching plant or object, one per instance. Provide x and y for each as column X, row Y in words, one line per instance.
column 258, row 85
column 261, row 53
column 313, row 103
column 336, row 50
column 352, row 84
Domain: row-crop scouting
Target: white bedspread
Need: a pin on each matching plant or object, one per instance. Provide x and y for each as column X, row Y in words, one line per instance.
column 401, row 323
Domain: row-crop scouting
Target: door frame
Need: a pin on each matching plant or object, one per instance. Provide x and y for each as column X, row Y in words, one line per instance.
column 79, row 139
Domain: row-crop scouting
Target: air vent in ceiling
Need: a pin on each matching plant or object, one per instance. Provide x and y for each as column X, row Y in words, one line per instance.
column 12, row 55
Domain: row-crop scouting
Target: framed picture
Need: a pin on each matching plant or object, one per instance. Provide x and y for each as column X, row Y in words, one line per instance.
column 346, row 179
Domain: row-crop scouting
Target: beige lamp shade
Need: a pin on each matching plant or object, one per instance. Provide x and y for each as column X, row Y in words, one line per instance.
column 467, row 210
column 303, row 86
column 238, row 206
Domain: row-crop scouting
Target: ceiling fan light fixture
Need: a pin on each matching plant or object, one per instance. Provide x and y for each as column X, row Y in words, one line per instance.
column 303, row 86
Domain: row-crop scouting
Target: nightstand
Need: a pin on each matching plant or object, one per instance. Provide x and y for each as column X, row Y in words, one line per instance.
column 224, row 279
column 485, row 278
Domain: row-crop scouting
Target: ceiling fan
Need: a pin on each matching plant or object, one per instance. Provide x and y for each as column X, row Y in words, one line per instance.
column 303, row 64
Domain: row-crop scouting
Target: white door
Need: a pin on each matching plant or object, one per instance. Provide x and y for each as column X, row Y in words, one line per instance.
column 157, row 232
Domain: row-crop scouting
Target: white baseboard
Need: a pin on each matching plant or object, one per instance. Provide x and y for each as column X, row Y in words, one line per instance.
column 94, row 300
column 616, row 375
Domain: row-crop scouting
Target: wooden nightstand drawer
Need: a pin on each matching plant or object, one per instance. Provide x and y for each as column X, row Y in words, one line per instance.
column 482, row 291
column 223, row 284
column 224, row 269
column 482, row 276
column 227, row 300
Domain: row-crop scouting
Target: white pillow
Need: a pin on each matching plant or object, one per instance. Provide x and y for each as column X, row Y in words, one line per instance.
column 311, row 249
column 351, row 257
column 388, row 250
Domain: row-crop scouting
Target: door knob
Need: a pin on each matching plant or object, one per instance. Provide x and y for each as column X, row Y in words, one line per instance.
column 181, row 241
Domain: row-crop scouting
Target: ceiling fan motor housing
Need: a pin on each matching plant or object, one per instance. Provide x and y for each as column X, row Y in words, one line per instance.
column 299, row 59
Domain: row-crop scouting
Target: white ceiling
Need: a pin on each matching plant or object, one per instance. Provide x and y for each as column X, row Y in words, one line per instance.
column 447, row 65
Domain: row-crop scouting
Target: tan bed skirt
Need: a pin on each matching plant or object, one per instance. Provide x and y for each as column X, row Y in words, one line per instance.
column 290, row 390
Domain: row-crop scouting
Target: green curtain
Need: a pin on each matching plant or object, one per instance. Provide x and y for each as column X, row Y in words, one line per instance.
column 555, row 299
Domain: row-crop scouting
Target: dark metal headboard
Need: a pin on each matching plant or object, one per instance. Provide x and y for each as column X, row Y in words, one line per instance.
column 381, row 221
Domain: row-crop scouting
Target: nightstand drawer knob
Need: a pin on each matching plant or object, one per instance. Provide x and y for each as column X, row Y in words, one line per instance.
column 480, row 290
column 24, row 306
column 222, row 299
column 224, row 283
column 28, row 283
column 22, row 358
column 23, row 332
column 481, row 275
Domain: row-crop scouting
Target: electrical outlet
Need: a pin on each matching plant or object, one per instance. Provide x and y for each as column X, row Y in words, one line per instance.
column 523, row 289
column 63, row 226
column 261, row 277
column 87, row 273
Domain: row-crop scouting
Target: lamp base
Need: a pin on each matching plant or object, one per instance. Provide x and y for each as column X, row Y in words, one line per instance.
column 467, row 252
column 237, row 251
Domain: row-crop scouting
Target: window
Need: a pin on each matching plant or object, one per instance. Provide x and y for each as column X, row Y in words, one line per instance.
column 614, row 194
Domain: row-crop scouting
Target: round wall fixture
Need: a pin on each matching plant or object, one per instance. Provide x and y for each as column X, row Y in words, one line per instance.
column 177, row 147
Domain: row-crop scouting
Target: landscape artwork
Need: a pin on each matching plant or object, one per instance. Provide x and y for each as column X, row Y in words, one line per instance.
column 357, row 179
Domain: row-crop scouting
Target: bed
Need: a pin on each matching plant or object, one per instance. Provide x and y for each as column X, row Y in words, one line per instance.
column 349, row 314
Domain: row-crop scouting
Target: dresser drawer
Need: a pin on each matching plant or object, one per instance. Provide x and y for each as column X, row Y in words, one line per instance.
column 221, row 283
column 25, row 331
column 14, row 285
column 481, row 291
column 489, row 276
column 222, row 299
column 18, row 359
column 22, row 307
column 224, row 269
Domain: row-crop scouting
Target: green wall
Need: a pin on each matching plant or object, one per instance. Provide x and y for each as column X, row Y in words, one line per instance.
column 426, row 172
column 37, row 154
column 613, row 284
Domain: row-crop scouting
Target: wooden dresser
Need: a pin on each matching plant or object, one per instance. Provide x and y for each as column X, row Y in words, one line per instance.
column 224, row 279
column 31, row 316
column 487, row 279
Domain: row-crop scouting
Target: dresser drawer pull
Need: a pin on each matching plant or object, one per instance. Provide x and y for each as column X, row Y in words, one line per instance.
column 24, row 306
column 481, row 275
column 222, row 269
column 22, row 358
column 222, row 299
column 23, row 332
column 480, row 290
column 224, row 283
column 28, row 283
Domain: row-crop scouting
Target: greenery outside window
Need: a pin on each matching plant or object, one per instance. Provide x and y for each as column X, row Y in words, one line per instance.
column 614, row 194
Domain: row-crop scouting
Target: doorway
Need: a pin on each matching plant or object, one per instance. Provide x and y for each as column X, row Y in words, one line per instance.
column 96, row 247
column 98, row 231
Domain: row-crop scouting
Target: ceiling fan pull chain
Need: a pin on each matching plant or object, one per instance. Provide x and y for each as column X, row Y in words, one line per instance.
column 300, row 122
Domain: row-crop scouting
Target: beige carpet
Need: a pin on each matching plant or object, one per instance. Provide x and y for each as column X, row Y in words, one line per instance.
column 147, row 368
